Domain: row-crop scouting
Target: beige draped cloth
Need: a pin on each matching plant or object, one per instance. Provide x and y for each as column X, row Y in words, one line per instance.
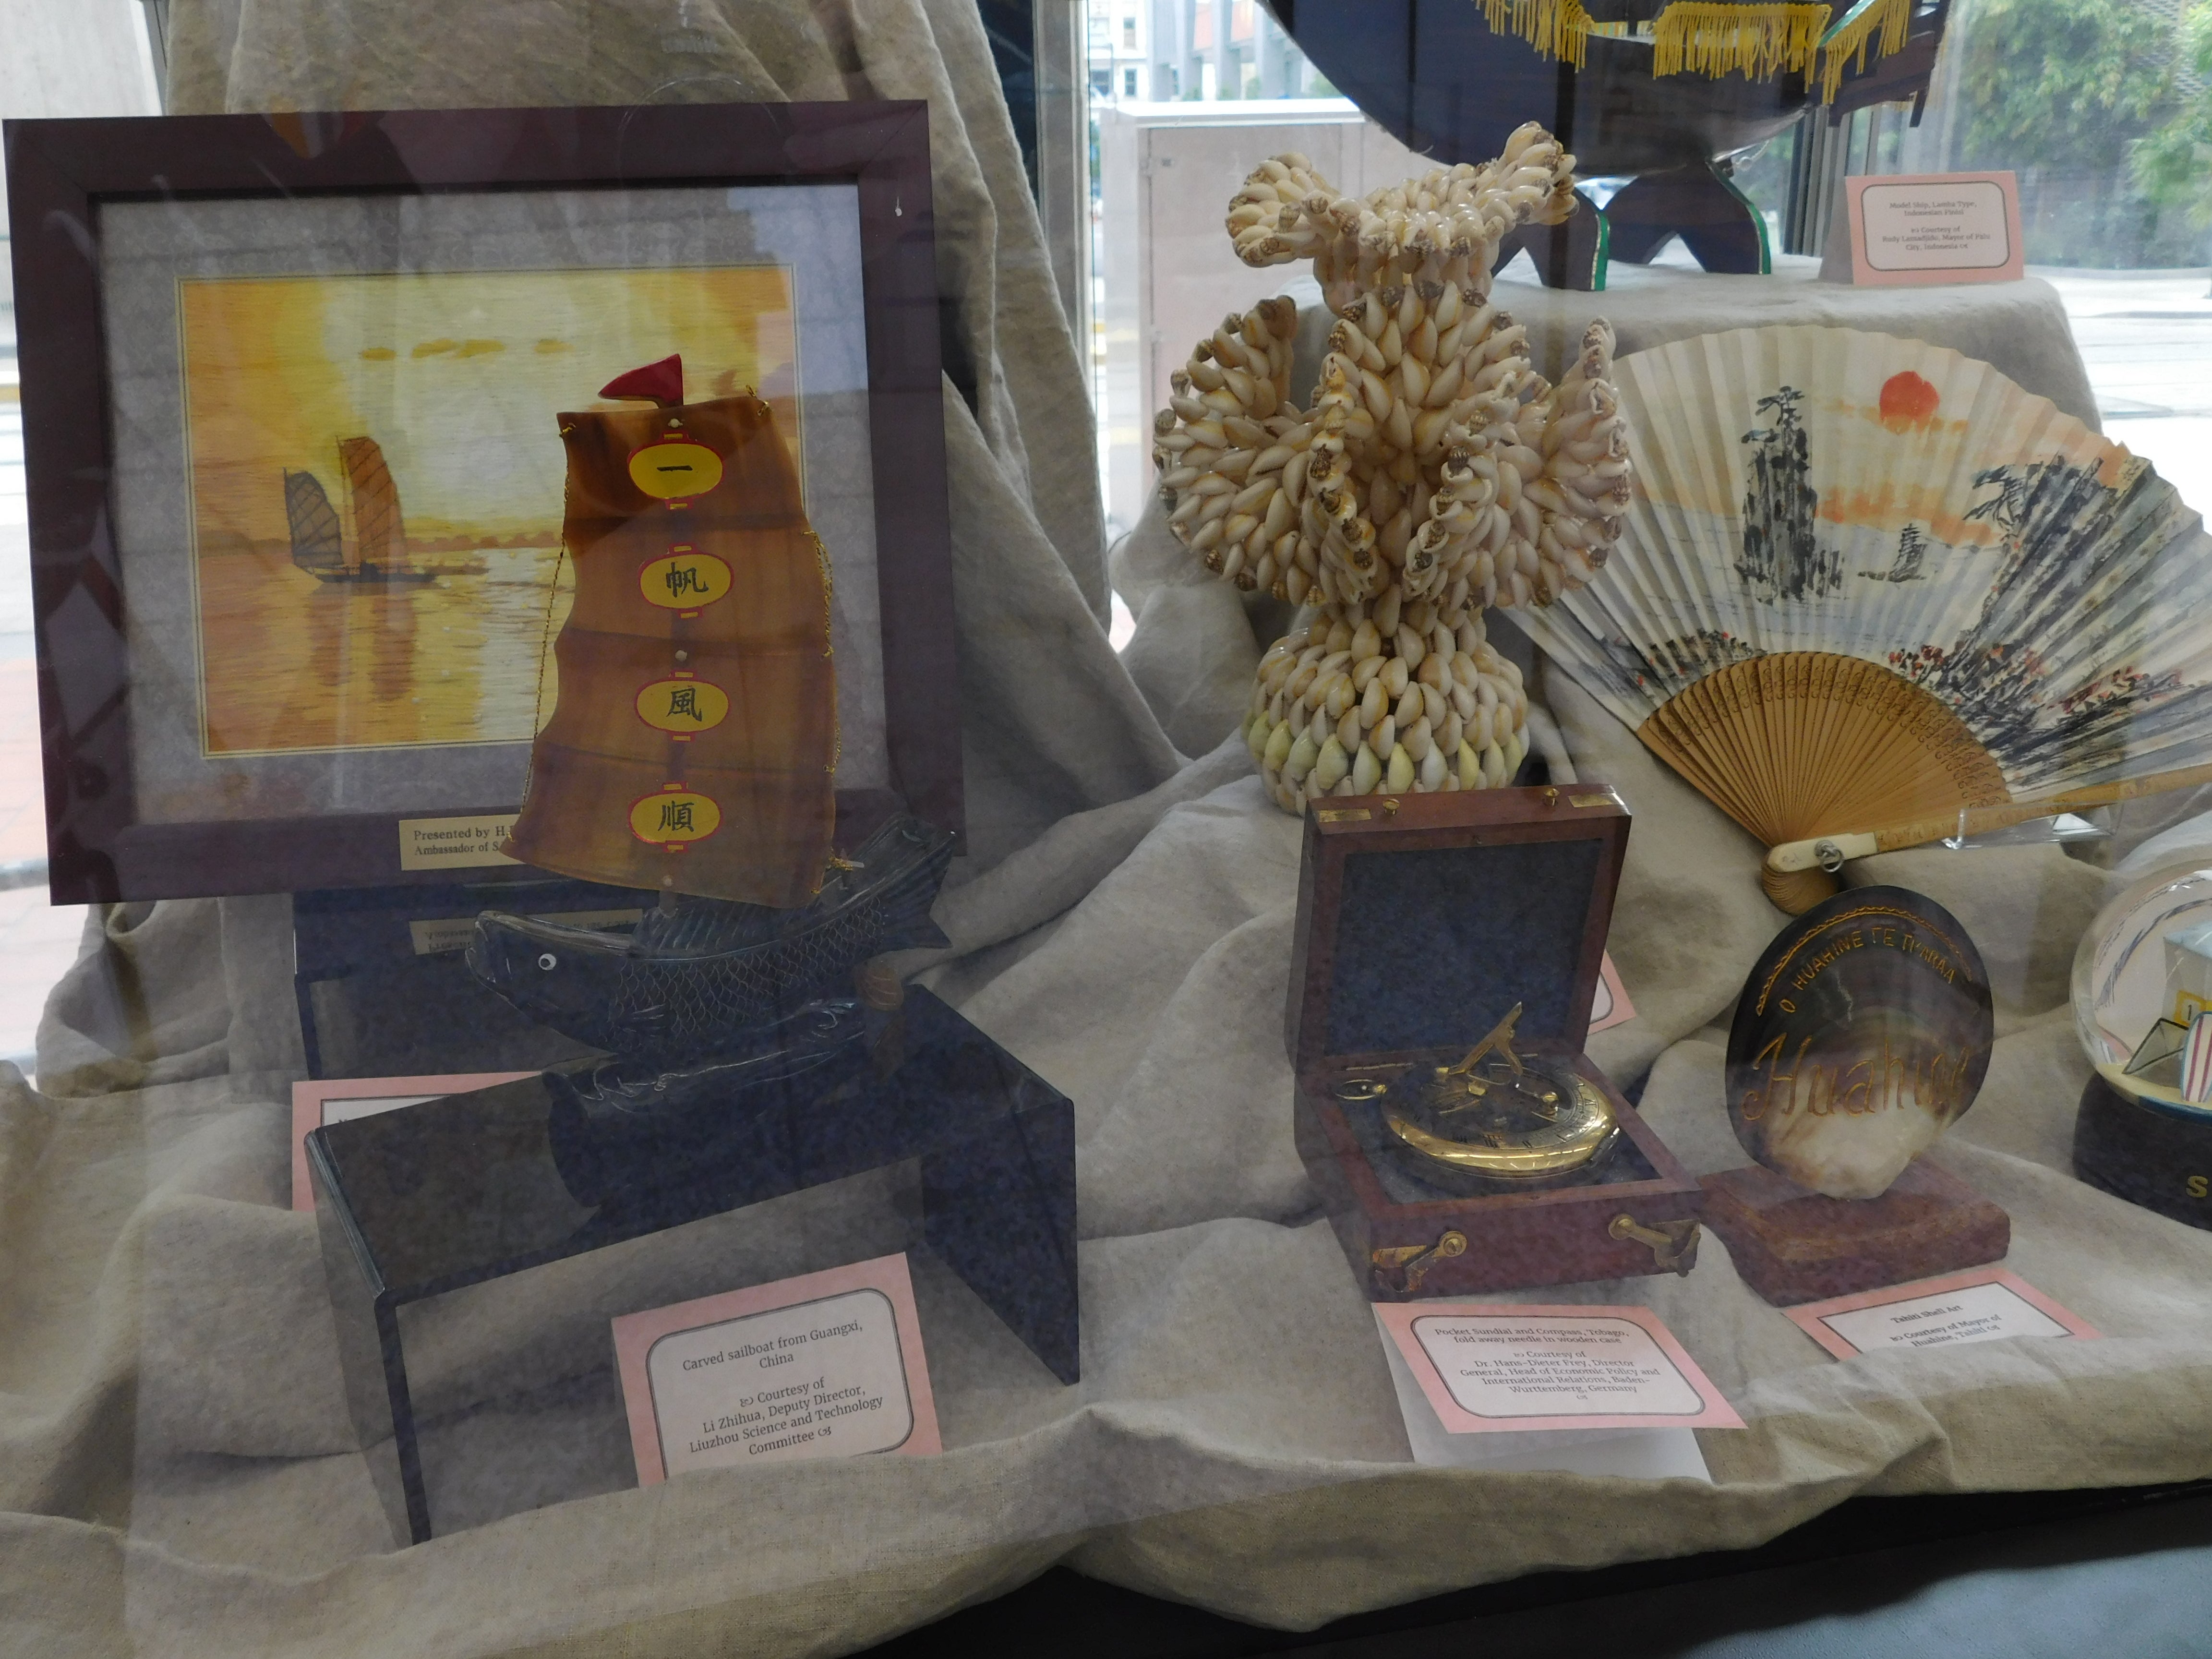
column 177, row 1473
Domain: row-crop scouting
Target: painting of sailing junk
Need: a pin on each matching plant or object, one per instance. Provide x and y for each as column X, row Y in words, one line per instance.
column 1865, row 583
column 1912, row 555
column 376, row 483
column 377, row 551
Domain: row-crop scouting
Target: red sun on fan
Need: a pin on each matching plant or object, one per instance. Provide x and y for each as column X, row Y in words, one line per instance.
column 1908, row 401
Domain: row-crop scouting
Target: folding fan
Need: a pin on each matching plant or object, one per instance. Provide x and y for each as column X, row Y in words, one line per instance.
column 1871, row 592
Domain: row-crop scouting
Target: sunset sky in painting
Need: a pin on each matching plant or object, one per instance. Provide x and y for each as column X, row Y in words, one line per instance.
column 458, row 376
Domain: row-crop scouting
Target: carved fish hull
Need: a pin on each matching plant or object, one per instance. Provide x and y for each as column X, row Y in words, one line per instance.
column 703, row 977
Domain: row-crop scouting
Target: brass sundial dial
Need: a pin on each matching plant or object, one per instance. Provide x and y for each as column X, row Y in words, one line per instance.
column 1494, row 1116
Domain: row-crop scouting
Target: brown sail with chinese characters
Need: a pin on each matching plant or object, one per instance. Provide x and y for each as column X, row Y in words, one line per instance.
column 693, row 745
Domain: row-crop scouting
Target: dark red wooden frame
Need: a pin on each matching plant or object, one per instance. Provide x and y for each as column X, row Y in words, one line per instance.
column 59, row 173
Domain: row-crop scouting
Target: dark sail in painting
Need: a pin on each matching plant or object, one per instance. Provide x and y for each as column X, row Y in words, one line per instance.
column 379, row 543
column 1782, row 558
column 318, row 541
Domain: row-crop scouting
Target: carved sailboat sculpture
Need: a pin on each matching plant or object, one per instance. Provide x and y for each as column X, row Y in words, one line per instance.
column 694, row 741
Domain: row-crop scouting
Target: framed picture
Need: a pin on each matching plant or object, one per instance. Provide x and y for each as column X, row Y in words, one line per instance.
column 290, row 394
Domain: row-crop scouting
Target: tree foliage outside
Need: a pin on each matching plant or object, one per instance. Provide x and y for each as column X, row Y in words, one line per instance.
column 2066, row 92
column 2059, row 83
column 2173, row 165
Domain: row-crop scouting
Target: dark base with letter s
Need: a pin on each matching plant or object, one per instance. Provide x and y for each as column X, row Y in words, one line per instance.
column 2159, row 1159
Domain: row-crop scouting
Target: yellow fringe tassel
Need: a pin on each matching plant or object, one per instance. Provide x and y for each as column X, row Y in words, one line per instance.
column 1851, row 37
column 1556, row 28
column 1715, row 38
column 1760, row 40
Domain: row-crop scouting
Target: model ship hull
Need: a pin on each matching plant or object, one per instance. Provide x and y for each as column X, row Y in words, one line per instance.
column 404, row 575
column 369, row 575
column 693, row 978
column 1478, row 74
column 1473, row 82
column 1632, row 121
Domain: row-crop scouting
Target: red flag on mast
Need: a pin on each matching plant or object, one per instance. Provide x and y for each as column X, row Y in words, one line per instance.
column 663, row 382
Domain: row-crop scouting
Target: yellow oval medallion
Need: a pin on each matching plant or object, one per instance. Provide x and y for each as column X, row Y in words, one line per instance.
column 675, row 469
column 684, row 580
column 683, row 706
column 674, row 815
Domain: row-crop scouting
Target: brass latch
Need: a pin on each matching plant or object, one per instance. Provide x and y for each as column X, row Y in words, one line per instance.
column 1416, row 1260
column 1673, row 1244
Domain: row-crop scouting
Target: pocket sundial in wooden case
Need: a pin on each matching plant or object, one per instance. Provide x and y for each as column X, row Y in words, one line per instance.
column 1490, row 1121
column 1448, row 949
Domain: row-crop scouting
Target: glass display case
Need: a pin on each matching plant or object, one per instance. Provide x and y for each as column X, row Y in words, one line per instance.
column 1302, row 805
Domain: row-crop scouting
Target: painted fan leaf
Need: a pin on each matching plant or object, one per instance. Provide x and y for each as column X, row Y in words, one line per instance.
column 1865, row 580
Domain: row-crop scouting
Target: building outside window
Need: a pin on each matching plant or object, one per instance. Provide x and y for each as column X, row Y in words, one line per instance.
column 1202, row 63
column 1187, row 57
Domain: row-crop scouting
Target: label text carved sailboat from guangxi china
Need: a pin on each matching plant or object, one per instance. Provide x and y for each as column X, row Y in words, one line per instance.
column 694, row 741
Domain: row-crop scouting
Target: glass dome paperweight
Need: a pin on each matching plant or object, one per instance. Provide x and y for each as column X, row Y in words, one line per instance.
column 2142, row 987
column 2142, row 1005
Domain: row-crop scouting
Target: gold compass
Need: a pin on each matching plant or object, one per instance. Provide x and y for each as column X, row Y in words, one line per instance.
column 1495, row 1118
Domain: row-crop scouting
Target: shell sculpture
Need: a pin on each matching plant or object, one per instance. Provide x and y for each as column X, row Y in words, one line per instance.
column 1433, row 474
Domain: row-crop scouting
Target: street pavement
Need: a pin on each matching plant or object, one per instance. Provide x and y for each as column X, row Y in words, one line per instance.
column 2147, row 339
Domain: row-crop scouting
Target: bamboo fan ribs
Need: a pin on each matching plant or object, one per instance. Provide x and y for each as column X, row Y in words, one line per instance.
column 1795, row 740
column 1870, row 593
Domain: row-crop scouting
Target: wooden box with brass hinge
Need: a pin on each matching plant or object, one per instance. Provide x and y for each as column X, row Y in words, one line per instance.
column 1447, row 952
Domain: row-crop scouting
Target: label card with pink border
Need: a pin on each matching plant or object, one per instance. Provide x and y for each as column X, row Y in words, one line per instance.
column 1980, row 1305
column 324, row 1101
column 1610, row 1007
column 1910, row 229
column 826, row 1364
column 1485, row 1367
